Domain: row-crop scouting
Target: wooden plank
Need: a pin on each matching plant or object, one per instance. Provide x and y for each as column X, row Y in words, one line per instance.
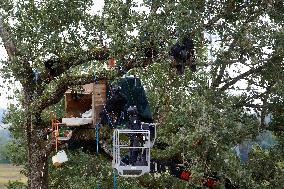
column 99, row 99
column 92, row 97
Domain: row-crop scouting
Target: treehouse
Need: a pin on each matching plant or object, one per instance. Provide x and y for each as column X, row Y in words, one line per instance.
column 82, row 107
column 126, row 113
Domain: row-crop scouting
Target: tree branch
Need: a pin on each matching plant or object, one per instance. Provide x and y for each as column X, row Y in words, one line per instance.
column 218, row 80
column 241, row 76
column 219, row 77
column 7, row 40
column 63, row 64
column 49, row 98
column 276, row 56
column 21, row 68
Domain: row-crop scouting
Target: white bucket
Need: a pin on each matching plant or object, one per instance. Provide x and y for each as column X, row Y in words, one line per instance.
column 59, row 158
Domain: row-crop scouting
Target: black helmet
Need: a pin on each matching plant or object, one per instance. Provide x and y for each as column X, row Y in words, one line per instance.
column 132, row 110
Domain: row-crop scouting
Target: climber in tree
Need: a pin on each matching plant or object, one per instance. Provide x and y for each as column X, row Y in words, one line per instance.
column 50, row 66
column 148, row 48
column 115, row 106
column 183, row 55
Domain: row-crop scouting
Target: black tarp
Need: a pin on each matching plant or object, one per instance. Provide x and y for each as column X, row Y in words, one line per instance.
column 133, row 91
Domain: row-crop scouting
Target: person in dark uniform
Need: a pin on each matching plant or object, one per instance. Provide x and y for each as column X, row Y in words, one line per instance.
column 183, row 55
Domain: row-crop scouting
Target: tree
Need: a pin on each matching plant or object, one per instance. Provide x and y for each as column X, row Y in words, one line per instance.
column 71, row 39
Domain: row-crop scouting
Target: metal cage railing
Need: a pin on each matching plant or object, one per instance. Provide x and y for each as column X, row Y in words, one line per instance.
column 137, row 149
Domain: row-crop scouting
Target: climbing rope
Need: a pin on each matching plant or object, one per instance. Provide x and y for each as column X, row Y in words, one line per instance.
column 114, row 180
column 97, row 137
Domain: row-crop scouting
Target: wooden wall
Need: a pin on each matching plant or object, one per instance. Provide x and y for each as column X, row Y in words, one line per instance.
column 99, row 99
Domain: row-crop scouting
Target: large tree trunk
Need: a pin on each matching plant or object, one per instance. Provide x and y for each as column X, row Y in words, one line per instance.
column 38, row 151
column 38, row 174
column 38, row 162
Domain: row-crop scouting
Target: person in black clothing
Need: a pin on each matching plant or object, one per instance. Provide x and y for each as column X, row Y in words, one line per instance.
column 183, row 55
column 133, row 124
column 115, row 106
column 136, row 140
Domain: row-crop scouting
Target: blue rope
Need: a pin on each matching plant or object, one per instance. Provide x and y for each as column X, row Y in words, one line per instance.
column 98, row 185
column 36, row 75
column 114, row 180
column 97, row 137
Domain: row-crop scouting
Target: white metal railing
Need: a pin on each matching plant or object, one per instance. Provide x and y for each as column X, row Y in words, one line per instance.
column 131, row 169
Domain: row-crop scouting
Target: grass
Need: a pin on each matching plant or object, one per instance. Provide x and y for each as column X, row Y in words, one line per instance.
column 10, row 172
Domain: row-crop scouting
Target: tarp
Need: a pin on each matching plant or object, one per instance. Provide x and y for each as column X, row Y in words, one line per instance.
column 133, row 89
column 127, row 91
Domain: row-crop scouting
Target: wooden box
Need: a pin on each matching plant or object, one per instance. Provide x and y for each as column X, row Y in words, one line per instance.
column 92, row 96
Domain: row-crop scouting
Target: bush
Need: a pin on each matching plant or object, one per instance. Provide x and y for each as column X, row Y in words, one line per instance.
column 15, row 185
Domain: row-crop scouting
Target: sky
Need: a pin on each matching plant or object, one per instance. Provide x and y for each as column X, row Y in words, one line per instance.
column 3, row 91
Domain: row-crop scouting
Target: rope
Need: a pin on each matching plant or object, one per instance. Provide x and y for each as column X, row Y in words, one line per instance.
column 97, row 137
column 114, row 180
column 55, row 129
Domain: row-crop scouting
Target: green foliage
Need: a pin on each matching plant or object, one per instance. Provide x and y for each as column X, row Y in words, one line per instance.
column 16, row 149
column 191, row 124
column 84, row 170
column 16, row 185
column 81, row 171
column 3, row 153
column 198, row 115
